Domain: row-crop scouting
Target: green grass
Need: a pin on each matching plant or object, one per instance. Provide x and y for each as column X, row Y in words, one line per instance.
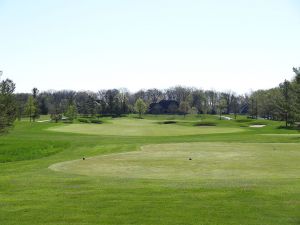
column 222, row 161
column 244, row 177
column 139, row 127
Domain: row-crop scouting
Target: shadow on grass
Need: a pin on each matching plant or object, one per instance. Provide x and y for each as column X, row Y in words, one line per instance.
column 297, row 128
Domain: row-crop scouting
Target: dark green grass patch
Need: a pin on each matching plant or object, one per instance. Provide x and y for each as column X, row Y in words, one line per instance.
column 83, row 120
column 96, row 121
column 206, row 123
column 168, row 122
column 27, row 150
column 244, row 120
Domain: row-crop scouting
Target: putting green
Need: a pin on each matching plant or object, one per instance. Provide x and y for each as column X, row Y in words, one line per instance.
column 209, row 161
column 137, row 127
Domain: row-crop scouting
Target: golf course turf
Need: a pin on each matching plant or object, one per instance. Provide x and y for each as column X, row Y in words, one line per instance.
column 149, row 173
column 209, row 161
column 125, row 127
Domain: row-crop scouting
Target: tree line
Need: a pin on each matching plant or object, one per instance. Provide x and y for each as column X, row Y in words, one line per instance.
column 278, row 103
column 117, row 102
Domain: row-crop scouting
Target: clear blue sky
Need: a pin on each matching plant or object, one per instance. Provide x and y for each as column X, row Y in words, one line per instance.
column 94, row 44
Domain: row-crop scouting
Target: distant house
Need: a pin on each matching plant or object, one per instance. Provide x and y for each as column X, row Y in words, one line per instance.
column 164, row 107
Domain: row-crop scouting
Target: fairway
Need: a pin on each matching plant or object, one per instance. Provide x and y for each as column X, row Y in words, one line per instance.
column 141, row 127
column 138, row 171
column 208, row 161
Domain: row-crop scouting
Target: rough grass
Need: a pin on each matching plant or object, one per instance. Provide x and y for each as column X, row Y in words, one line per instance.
column 32, row 194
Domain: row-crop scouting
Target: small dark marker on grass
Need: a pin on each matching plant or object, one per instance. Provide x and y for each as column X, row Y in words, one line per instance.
column 83, row 158
column 190, row 158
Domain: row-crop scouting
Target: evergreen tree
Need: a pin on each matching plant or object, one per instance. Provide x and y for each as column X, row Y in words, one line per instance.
column 286, row 102
column 35, row 114
column 7, row 105
column 43, row 108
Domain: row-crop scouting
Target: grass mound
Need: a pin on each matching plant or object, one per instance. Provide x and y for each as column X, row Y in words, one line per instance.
column 243, row 120
column 259, row 123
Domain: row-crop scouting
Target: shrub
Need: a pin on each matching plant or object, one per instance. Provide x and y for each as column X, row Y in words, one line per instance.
column 96, row 121
column 82, row 120
column 206, row 123
column 169, row 122
column 243, row 120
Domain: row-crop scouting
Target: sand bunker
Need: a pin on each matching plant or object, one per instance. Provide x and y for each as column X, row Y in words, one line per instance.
column 257, row 126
